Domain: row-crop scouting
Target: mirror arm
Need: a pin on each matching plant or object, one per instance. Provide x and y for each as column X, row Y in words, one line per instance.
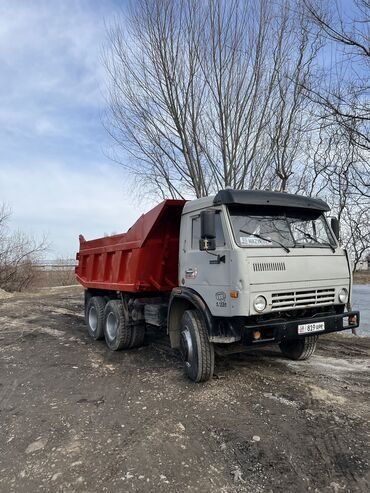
column 220, row 258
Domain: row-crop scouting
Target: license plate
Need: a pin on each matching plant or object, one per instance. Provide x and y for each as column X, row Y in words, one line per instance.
column 308, row 328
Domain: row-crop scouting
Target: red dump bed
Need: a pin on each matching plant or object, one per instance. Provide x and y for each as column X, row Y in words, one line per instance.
column 143, row 259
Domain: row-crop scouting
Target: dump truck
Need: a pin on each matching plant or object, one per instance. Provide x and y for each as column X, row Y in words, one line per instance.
column 220, row 273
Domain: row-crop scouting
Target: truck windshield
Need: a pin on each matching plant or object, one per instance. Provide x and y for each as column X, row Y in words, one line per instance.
column 264, row 227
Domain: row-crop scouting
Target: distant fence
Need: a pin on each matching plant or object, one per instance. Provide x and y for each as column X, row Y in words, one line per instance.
column 62, row 264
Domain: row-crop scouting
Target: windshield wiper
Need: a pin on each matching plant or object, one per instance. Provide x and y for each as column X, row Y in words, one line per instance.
column 265, row 239
column 325, row 243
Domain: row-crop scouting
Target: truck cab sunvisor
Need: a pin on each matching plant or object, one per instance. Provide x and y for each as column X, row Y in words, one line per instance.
column 275, row 199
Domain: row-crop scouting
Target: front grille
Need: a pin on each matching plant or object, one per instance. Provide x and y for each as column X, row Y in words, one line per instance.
column 296, row 299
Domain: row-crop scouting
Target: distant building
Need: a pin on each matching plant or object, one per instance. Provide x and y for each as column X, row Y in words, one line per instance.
column 364, row 264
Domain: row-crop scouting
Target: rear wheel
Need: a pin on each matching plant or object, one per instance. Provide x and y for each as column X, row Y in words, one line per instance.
column 95, row 317
column 117, row 332
column 196, row 350
column 299, row 349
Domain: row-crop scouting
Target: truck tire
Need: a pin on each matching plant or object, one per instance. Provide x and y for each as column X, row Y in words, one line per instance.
column 94, row 317
column 197, row 351
column 300, row 349
column 137, row 335
column 117, row 333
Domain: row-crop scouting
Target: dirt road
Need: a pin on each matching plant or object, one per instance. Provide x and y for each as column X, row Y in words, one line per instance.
column 76, row 417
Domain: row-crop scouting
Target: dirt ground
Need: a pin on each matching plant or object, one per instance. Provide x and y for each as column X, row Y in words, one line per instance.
column 76, row 417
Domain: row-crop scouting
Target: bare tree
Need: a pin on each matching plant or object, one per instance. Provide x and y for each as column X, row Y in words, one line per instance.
column 338, row 165
column 356, row 234
column 18, row 254
column 215, row 93
column 343, row 95
column 209, row 94
column 331, row 172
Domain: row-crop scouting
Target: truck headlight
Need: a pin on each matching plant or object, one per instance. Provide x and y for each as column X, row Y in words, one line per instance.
column 343, row 295
column 260, row 303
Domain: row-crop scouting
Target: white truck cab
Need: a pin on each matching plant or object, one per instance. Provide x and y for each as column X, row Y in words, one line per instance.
column 258, row 267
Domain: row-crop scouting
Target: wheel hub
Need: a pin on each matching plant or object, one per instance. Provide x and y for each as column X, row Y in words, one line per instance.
column 186, row 346
column 111, row 326
column 93, row 319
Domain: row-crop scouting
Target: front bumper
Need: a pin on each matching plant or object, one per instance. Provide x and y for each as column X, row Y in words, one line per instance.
column 282, row 330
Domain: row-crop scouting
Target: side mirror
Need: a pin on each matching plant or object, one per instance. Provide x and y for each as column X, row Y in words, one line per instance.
column 207, row 230
column 334, row 223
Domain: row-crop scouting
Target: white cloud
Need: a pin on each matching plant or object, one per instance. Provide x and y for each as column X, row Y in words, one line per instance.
column 50, row 46
column 50, row 58
column 53, row 173
column 45, row 127
column 48, row 198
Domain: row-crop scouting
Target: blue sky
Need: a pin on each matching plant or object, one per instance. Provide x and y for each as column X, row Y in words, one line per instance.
column 54, row 173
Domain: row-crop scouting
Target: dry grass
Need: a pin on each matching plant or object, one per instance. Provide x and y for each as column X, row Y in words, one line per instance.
column 51, row 278
column 362, row 277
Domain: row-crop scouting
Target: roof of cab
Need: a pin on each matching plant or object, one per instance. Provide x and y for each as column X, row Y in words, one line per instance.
column 197, row 204
column 257, row 197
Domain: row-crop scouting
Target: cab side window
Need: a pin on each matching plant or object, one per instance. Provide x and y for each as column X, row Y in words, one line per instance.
column 195, row 232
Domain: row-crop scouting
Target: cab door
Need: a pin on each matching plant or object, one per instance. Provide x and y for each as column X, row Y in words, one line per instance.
column 207, row 273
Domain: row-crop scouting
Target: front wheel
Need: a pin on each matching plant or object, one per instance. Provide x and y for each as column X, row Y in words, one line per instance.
column 197, row 351
column 299, row 349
